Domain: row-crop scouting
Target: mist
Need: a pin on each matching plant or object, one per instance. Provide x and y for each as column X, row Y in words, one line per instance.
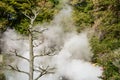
column 72, row 59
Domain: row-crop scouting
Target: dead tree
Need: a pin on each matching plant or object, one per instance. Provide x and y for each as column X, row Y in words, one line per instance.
column 31, row 52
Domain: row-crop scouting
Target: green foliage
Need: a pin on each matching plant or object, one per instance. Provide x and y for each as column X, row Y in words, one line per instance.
column 82, row 20
column 110, row 30
column 103, row 16
column 12, row 11
column 111, row 65
column 84, row 17
column 4, row 10
column 23, row 27
column 107, row 37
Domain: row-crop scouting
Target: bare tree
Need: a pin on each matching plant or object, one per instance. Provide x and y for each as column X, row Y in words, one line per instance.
column 40, row 70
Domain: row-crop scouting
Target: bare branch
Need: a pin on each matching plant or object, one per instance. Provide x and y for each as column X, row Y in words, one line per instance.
column 35, row 12
column 43, row 72
column 32, row 18
column 31, row 30
column 41, row 31
column 16, row 54
column 45, row 54
column 36, row 31
column 40, row 75
column 27, row 16
column 18, row 70
column 39, row 55
column 40, row 69
column 36, row 45
column 48, row 54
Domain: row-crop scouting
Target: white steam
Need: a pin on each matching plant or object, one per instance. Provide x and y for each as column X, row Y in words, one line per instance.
column 73, row 60
column 73, row 55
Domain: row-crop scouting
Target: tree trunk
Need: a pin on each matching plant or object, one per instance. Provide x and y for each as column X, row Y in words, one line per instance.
column 31, row 64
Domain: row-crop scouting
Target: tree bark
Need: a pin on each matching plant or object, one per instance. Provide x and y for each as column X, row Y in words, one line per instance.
column 31, row 53
column 31, row 64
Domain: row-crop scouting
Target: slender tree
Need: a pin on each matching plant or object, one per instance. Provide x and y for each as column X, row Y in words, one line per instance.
column 31, row 12
column 31, row 52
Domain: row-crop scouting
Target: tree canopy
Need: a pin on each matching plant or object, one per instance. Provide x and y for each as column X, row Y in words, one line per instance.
column 12, row 12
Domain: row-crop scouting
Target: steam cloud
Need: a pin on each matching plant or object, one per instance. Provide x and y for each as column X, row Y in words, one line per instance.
column 73, row 55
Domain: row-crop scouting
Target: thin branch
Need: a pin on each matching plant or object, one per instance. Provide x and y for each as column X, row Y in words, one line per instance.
column 18, row 70
column 36, row 31
column 40, row 75
column 41, row 31
column 48, row 54
column 27, row 16
column 43, row 72
column 36, row 45
column 38, row 56
column 40, row 69
column 35, row 12
column 16, row 54
column 41, row 54
column 43, row 69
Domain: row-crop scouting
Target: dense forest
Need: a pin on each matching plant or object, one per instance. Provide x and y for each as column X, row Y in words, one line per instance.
column 100, row 16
